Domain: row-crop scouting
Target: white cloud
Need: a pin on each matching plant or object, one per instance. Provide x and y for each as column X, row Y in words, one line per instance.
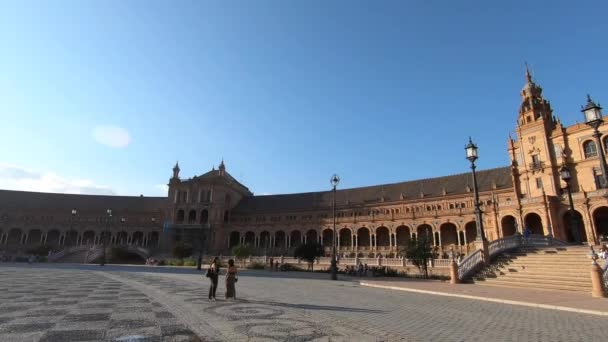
column 18, row 178
column 163, row 188
column 111, row 136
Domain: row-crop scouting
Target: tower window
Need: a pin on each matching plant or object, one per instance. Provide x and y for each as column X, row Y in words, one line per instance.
column 539, row 183
column 589, row 149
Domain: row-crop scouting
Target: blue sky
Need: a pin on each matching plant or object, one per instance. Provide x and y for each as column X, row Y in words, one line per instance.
column 287, row 92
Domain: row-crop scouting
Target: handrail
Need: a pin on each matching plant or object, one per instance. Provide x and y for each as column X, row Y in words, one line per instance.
column 501, row 245
column 469, row 264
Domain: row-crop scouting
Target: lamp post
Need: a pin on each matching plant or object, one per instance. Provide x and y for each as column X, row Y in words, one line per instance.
column 104, row 237
column 334, row 267
column 567, row 177
column 472, row 156
column 74, row 212
column 593, row 118
column 122, row 222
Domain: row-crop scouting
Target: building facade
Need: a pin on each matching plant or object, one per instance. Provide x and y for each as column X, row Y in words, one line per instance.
column 213, row 212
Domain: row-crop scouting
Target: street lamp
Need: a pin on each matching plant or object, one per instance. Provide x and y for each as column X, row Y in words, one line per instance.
column 74, row 212
column 593, row 118
column 567, row 177
column 334, row 267
column 472, row 155
column 104, row 237
column 122, row 227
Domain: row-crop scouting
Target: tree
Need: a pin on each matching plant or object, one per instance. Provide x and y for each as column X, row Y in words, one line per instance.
column 309, row 252
column 181, row 251
column 241, row 251
column 419, row 251
column 40, row 250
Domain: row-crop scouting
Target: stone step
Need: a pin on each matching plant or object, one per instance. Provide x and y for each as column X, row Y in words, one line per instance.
column 535, row 283
column 526, row 275
column 539, row 282
column 548, row 263
column 543, row 272
column 495, row 282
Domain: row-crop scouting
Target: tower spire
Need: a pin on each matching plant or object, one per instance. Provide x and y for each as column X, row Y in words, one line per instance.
column 176, row 170
column 528, row 74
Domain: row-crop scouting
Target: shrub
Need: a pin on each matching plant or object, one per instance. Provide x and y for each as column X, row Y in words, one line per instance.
column 289, row 268
column 309, row 252
column 181, row 251
column 256, row 266
column 41, row 250
column 189, row 262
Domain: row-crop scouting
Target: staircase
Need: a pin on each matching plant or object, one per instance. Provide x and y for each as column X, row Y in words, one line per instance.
column 75, row 258
column 548, row 268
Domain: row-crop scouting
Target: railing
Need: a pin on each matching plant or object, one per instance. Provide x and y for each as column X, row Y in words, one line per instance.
column 68, row 250
column 348, row 261
column 370, row 261
column 470, row 264
column 395, row 262
column 504, row 244
column 605, row 276
column 441, row 262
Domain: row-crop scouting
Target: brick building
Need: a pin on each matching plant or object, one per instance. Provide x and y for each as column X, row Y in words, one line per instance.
column 214, row 210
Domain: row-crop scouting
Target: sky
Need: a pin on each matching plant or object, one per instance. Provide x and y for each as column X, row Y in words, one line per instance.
column 103, row 97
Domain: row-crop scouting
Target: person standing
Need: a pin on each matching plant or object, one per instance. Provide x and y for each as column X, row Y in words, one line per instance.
column 231, row 280
column 213, row 273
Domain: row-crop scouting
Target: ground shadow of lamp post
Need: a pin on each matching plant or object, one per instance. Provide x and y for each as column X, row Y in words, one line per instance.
column 104, row 237
column 480, row 241
column 334, row 263
column 567, row 177
column 593, row 118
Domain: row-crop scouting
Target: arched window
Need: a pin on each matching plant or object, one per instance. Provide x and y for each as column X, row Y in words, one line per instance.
column 590, row 149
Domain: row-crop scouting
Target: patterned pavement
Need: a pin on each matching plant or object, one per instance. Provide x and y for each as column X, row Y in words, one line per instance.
column 74, row 303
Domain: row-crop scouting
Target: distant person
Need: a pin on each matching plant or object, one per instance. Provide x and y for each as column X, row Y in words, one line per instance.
column 231, row 280
column 271, row 264
column 527, row 233
column 213, row 273
column 365, row 269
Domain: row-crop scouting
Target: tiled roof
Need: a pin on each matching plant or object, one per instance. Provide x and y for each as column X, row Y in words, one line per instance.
column 410, row 190
column 216, row 174
column 53, row 201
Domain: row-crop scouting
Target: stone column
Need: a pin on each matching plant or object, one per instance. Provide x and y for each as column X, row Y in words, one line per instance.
column 41, row 238
column 458, row 236
column 356, row 241
column 288, row 241
column 454, row 272
column 305, row 238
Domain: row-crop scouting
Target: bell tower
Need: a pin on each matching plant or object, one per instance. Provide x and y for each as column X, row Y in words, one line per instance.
column 533, row 154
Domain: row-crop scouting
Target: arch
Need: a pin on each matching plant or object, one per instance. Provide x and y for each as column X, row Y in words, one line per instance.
column 138, row 238
column 235, row 239
column 250, row 238
column 508, row 224
column 425, row 232
column 449, row 234
column 14, row 237
column 52, row 237
column 402, row 235
column 363, row 237
column 328, row 237
column 71, row 237
column 311, row 236
column 192, row 216
column 346, row 238
column 179, row 216
column 589, row 149
column 534, row 222
column 383, row 236
column 265, row 239
column 121, row 238
column 154, row 238
column 204, row 216
column 295, row 238
column 279, row 239
column 600, row 218
column 33, row 237
column 88, row 237
column 470, row 230
column 578, row 221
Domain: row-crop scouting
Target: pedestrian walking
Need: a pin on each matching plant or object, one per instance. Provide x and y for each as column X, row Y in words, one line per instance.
column 231, row 280
column 271, row 264
column 213, row 273
column 527, row 233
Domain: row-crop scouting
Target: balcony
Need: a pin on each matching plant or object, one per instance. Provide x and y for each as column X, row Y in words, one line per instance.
column 536, row 166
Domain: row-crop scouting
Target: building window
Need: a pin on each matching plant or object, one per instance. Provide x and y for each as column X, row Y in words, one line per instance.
column 539, row 183
column 590, row 149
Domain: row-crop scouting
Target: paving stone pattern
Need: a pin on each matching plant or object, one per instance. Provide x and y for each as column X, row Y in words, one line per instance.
column 164, row 305
column 61, row 306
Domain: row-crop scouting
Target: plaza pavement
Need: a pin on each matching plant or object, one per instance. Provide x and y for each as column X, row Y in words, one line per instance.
column 55, row 302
